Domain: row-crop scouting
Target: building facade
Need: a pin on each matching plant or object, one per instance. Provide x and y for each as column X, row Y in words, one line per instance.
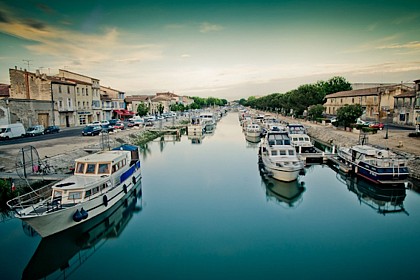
column 377, row 102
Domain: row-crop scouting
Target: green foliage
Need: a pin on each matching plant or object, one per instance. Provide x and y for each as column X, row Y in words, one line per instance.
column 315, row 111
column 142, row 109
column 177, row 107
column 349, row 113
column 369, row 129
column 160, row 108
column 206, row 102
column 298, row 100
column 6, row 193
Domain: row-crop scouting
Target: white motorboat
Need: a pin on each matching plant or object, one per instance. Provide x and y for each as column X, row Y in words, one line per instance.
column 208, row 120
column 278, row 158
column 253, row 132
column 99, row 181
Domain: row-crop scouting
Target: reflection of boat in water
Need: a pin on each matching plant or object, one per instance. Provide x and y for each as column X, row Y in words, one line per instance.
column 283, row 192
column 59, row 255
column 383, row 199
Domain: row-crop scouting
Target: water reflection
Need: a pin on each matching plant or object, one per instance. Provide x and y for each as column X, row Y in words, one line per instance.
column 283, row 193
column 196, row 139
column 61, row 254
column 384, row 200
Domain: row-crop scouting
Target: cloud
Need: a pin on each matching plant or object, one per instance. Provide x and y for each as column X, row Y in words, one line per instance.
column 409, row 45
column 206, row 27
column 69, row 45
column 3, row 17
column 406, row 19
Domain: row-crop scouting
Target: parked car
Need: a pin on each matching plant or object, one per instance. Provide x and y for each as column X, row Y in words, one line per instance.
column 104, row 122
column 148, row 123
column 377, row 125
column 52, row 129
column 95, row 123
column 35, row 130
column 107, row 128
column 13, row 130
column 130, row 124
column 91, row 130
column 113, row 121
column 119, row 125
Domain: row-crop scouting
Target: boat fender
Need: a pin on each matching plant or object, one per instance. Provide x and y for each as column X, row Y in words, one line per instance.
column 84, row 213
column 134, row 180
column 105, row 199
column 77, row 216
column 125, row 188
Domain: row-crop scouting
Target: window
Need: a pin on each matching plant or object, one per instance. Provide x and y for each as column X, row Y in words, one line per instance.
column 75, row 195
column 274, row 153
column 83, row 91
column 77, row 90
column 282, row 152
column 60, row 104
column 88, row 193
column 291, row 152
column 80, row 168
column 68, row 89
column 103, row 168
column 91, row 168
column 59, row 88
column 58, row 194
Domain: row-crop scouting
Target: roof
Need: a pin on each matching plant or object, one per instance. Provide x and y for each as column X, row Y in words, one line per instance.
column 162, row 98
column 362, row 92
column 126, row 147
column 167, row 94
column 406, row 94
column 107, row 156
column 79, row 82
column 78, row 74
column 132, row 98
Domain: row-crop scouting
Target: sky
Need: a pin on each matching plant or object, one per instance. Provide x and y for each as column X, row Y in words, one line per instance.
column 220, row 48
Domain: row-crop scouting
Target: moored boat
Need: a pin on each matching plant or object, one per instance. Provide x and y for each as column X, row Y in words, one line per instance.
column 378, row 165
column 278, row 157
column 99, row 181
column 196, row 127
column 253, row 132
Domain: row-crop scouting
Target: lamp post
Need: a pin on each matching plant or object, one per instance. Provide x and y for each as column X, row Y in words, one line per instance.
column 387, row 124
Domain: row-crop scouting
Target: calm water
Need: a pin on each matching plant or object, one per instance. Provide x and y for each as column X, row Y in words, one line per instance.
column 206, row 213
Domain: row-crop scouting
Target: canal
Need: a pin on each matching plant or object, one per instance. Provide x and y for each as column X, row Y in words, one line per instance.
column 205, row 212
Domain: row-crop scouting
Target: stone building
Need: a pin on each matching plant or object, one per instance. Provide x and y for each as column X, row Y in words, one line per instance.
column 417, row 105
column 64, row 102
column 134, row 101
column 161, row 101
column 404, row 108
column 112, row 102
column 377, row 102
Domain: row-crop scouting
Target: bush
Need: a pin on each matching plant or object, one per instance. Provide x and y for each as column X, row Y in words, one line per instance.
column 369, row 130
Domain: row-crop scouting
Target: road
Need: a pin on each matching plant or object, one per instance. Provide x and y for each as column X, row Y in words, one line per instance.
column 66, row 132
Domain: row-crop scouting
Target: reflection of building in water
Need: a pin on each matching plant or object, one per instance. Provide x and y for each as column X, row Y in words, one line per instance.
column 59, row 255
column 196, row 139
column 383, row 199
column 287, row 193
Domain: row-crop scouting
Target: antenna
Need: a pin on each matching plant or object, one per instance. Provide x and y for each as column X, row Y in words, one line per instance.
column 27, row 62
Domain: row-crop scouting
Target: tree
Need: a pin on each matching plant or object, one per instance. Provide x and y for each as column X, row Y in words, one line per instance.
column 142, row 109
column 315, row 111
column 160, row 108
column 349, row 113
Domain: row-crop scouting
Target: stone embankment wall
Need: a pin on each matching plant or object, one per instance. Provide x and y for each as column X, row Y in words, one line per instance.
column 330, row 136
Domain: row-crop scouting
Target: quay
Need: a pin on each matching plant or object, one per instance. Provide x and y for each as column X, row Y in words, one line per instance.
column 47, row 177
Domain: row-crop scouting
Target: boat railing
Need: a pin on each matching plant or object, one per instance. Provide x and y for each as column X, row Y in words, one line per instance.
column 31, row 201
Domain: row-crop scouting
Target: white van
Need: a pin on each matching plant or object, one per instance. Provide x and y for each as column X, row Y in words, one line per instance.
column 35, row 130
column 12, row 131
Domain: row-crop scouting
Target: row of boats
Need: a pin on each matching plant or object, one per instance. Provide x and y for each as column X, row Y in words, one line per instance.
column 284, row 150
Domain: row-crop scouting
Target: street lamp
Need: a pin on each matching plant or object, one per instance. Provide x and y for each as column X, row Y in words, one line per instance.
column 387, row 124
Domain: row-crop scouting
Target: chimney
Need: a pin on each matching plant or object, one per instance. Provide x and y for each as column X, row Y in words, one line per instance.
column 37, row 73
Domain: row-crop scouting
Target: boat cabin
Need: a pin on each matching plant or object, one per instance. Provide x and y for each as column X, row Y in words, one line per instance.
column 278, row 139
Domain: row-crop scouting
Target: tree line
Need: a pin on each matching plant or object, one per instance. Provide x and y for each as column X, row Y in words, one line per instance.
column 310, row 97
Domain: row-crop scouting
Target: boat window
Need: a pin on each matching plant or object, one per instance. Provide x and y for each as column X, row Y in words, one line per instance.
column 307, row 139
column 57, row 194
column 95, row 190
column 103, row 168
column 75, row 195
column 88, row 193
column 274, row 153
column 291, row 152
column 91, row 168
column 115, row 167
column 282, row 152
column 103, row 186
column 300, row 138
column 80, row 167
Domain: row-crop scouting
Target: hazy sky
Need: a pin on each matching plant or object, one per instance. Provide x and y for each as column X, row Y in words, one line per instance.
column 225, row 49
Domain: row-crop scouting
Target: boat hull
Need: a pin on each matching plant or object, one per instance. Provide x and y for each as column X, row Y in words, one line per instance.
column 285, row 174
column 49, row 223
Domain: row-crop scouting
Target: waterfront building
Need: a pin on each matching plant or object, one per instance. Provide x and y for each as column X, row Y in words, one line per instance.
column 404, row 108
column 417, row 105
column 377, row 102
column 134, row 101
